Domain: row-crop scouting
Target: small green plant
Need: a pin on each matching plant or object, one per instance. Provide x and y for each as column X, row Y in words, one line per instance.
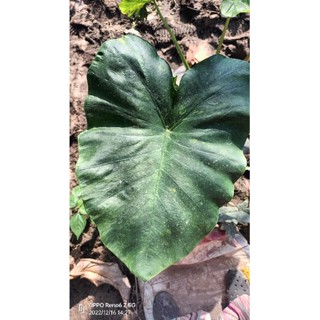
column 136, row 8
column 230, row 217
column 158, row 160
column 78, row 219
column 230, row 9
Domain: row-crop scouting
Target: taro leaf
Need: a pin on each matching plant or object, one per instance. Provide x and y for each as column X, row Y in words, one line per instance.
column 231, row 8
column 133, row 7
column 156, row 164
column 77, row 224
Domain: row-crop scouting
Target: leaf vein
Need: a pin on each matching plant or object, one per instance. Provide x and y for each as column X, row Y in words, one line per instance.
column 180, row 188
column 145, row 84
column 203, row 102
column 119, row 160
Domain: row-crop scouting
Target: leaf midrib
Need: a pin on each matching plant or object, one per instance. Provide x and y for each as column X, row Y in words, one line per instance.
column 202, row 102
column 146, row 84
column 165, row 141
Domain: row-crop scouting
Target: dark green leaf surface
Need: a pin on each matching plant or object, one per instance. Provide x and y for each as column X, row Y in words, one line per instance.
column 231, row 8
column 77, row 224
column 156, row 163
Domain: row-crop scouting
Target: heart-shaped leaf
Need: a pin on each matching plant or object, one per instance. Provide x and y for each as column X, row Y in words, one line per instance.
column 231, row 8
column 133, row 7
column 156, row 164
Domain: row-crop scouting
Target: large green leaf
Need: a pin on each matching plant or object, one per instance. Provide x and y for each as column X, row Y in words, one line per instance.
column 156, row 164
column 231, row 8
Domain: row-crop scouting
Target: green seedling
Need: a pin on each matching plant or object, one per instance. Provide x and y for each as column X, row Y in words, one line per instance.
column 78, row 219
column 230, row 9
column 230, row 217
column 158, row 160
column 136, row 8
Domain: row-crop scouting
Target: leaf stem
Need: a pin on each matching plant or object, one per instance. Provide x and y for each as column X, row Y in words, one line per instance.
column 223, row 35
column 172, row 36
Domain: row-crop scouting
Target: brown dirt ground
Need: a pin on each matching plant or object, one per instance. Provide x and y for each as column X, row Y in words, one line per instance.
column 92, row 22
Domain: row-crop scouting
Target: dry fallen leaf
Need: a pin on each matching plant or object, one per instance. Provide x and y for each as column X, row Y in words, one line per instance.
column 99, row 272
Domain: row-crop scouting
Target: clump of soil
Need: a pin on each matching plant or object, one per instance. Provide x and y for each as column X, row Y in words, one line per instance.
column 196, row 23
